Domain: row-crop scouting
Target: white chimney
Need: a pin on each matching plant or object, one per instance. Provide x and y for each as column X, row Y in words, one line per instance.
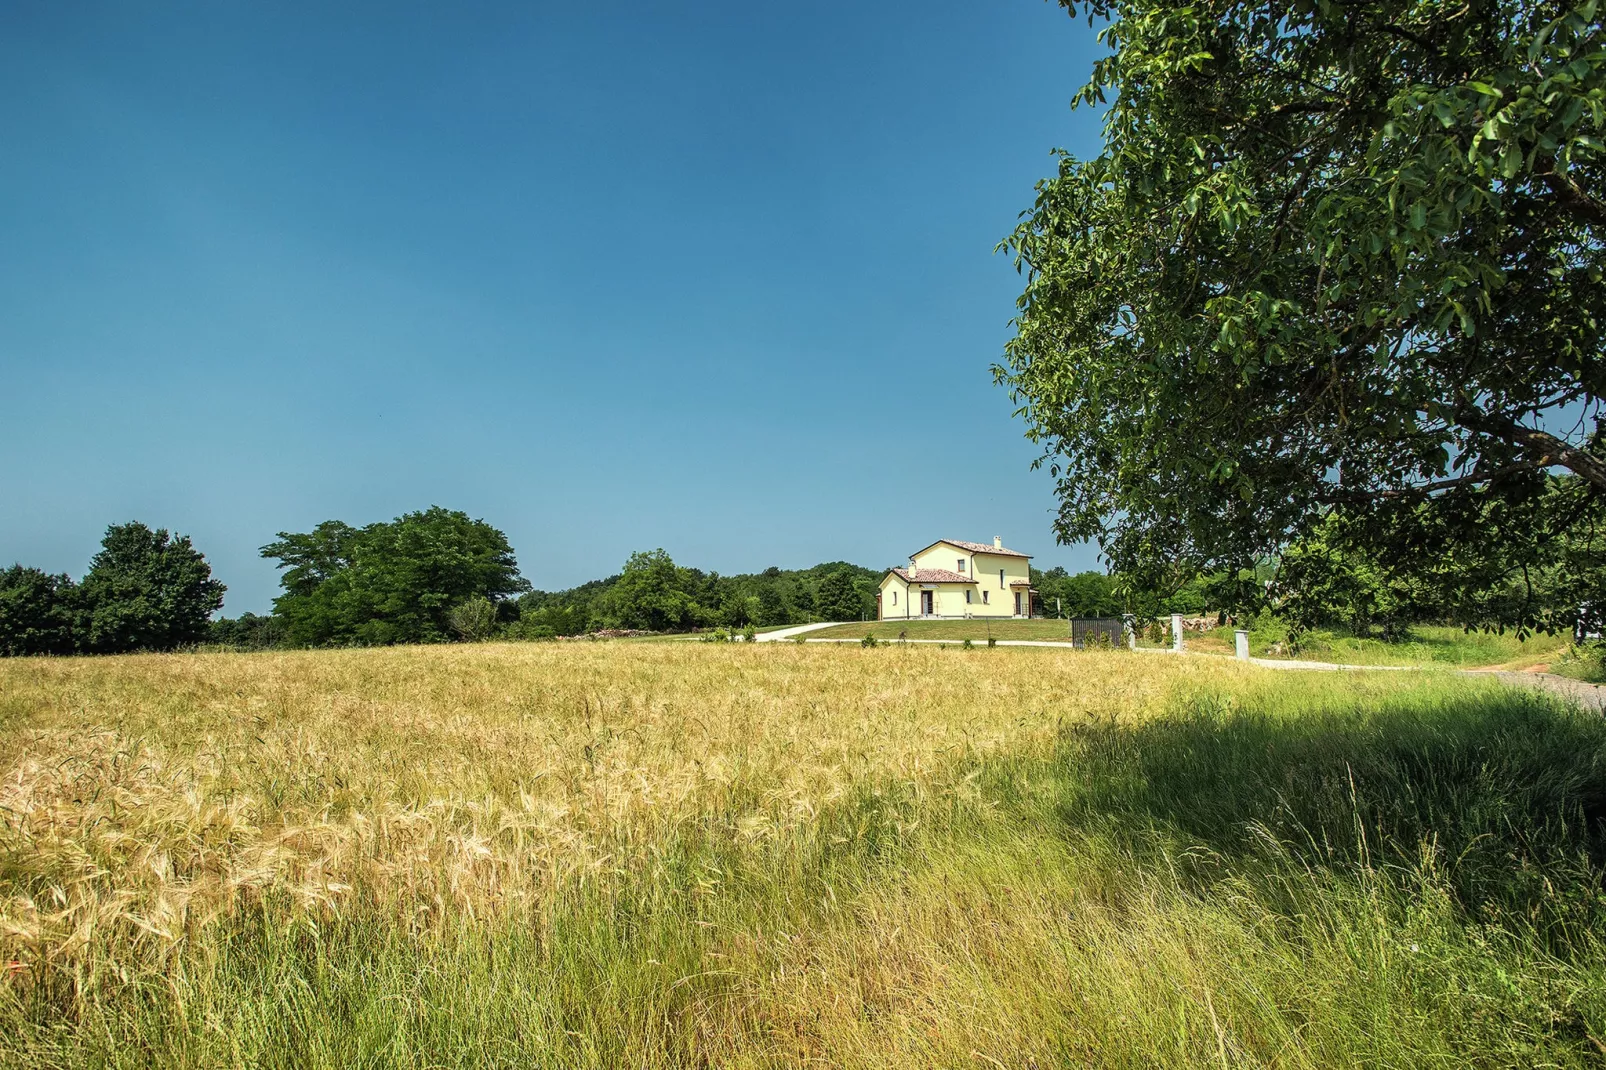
column 911, row 568
column 998, row 544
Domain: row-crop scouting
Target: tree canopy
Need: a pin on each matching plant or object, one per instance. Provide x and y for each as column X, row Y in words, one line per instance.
column 654, row 594
column 1335, row 259
column 394, row 582
column 838, row 600
column 146, row 590
column 1080, row 594
column 37, row 612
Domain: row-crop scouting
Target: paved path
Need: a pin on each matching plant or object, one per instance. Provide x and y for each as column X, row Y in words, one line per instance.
column 1590, row 696
column 787, row 633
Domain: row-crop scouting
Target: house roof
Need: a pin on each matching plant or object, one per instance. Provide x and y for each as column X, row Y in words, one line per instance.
column 977, row 548
column 931, row 575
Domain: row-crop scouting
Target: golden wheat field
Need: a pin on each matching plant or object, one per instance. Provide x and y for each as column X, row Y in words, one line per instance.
column 615, row 854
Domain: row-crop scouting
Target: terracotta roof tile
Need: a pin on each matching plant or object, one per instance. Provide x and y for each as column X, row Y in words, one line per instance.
column 932, row 575
column 984, row 548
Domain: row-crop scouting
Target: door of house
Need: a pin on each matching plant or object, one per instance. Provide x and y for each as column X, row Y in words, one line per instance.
column 1017, row 603
column 925, row 604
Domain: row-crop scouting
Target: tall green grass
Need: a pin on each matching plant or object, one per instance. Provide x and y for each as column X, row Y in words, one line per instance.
column 1265, row 872
column 1422, row 644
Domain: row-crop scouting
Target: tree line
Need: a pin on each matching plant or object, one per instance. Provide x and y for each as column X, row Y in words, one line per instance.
column 145, row 590
column 437, row 576
column 424, row 577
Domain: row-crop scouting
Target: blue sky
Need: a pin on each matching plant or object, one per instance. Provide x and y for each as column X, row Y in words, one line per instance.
column 713, row 277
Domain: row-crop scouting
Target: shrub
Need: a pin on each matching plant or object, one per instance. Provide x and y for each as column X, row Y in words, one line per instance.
column 991, row 641
column 868, row 641
column 473, row 619
column 969, row 645
column 749, row 634
column 1584, row 661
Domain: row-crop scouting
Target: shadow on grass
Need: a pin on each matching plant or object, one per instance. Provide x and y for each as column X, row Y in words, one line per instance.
column 1501, row 795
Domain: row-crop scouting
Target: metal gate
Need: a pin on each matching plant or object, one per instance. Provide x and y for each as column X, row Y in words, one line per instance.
column 1097, row 631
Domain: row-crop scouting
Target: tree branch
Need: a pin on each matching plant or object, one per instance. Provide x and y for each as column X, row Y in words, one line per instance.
column 1410, row 35
column 1395, row 493
column 1545, row 448
column 1575, row 200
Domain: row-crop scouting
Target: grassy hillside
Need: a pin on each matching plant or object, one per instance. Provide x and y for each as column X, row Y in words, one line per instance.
column 693, row 855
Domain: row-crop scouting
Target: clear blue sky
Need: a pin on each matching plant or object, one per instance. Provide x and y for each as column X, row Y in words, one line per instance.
column 716, row 277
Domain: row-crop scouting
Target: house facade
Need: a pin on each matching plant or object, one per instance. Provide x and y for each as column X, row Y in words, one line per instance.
column 958, row 579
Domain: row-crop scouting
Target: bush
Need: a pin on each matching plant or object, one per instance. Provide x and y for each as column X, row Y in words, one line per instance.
column 868, row 641
column 749, row 634
column 991, row 641
column 1585, row 661
column 968, row 645
column 473, row 619
column 718, row 635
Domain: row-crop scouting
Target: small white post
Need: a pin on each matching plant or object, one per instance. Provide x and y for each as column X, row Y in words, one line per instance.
column 1176, row 633
column 1130, row 629
column 1242, row 638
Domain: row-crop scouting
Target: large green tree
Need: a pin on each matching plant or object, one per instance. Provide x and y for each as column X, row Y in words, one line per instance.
column 394, row 582
column 146, row 590
column 1335, row 258
column 655, row 594
column 839, row 598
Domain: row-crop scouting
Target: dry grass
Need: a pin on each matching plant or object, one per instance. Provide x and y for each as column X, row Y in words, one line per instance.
column 666, row 855
column 146, row 796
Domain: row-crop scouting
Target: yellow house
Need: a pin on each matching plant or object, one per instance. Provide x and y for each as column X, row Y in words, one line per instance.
column 953, row 578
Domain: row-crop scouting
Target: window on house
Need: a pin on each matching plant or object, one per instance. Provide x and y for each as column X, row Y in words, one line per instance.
column 984, row 598
column 894, row 597
column 1000, row 579
column 961, row 564
column 967, row 598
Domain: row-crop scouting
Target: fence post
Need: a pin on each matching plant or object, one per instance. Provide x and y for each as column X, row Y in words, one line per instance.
column 1242, row 642
column 1176, row 633
column 1129, row 629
